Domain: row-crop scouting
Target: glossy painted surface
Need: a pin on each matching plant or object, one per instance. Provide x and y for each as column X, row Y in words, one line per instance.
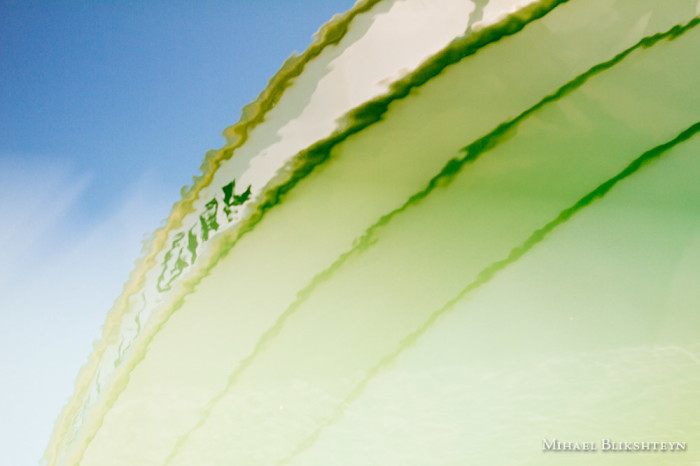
column 496, row 248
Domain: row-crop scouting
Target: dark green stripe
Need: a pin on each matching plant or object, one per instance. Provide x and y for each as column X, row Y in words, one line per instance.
column 373, row 111
column 451, row 169
column 488, row 273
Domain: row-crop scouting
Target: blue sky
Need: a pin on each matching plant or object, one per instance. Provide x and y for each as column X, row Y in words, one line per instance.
column 106, row 111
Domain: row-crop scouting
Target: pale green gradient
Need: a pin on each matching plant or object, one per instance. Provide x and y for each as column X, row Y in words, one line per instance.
column 505, row 253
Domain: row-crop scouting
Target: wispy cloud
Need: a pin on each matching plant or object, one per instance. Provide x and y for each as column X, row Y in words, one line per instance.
column 59, row 275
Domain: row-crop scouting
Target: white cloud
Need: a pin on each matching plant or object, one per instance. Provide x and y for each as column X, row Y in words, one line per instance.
column 58, row 279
